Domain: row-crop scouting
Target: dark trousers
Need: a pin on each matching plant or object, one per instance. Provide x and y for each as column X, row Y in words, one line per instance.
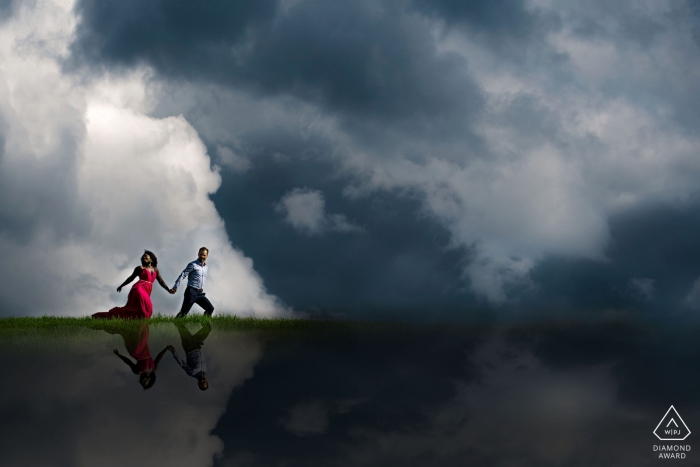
column 192, row 296
column 195, row 341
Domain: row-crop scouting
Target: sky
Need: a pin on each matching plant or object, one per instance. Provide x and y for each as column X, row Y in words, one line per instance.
column 400, row 159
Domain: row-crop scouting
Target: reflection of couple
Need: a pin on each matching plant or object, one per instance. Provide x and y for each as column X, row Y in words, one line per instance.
column 139, row 305
column 136, row 342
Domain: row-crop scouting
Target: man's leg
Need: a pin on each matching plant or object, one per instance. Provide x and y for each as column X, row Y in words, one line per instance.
column 187, row 303
column 202, row 334
column 185, row 336
column 204, row 302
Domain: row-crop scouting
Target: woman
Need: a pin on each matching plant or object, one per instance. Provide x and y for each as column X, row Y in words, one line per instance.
column 138, row 305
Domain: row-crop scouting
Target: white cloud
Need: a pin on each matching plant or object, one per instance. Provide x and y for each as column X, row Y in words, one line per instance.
column 234, row 161
column 89, row 181
column 304, row 209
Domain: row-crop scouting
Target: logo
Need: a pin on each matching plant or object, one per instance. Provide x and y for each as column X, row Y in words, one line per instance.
column 672, row 427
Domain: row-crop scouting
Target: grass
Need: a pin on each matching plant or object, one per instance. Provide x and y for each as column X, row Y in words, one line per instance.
column 57, row 324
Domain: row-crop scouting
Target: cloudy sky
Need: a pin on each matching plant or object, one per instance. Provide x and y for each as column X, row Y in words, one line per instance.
column 398, row 158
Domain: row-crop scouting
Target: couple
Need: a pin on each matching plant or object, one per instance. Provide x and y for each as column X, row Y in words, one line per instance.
column 138, row 304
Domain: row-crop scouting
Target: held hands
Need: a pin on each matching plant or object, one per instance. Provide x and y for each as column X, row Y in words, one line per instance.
column 172, row 291
column 170, row 348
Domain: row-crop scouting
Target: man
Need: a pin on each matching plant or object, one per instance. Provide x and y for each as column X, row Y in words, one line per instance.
column 196, row 273
column 193, row 364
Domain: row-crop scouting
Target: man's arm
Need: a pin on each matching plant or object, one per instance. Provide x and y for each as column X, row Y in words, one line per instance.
column 185, row 273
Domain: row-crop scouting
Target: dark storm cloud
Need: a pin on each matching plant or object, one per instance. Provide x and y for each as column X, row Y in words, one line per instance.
column 7, row 8
column 512, row 30
column 626, row 20
column 365, row 60
column 660, row 242
column 633, row 28
column 170, row 35
column 399, row 267
column 657, row 243
column 507, row 17
column 504, row 23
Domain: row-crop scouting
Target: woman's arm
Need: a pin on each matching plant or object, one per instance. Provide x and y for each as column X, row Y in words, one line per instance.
column 160, row 355
column 133, row 276
column 127, row 361
column 161, row 281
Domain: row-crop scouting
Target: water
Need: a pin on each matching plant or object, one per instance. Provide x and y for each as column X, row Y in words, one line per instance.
column 531, row 395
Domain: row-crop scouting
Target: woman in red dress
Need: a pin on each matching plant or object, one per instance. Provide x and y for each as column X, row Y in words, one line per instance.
column 138, row 305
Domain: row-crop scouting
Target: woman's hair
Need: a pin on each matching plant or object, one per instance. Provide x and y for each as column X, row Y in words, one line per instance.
column 147, row 380
column 154, row 260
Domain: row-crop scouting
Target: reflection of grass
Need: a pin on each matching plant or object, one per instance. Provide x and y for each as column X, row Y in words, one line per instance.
column 36, row 334
column 60, row 334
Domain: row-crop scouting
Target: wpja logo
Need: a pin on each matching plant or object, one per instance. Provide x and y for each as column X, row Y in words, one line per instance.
column 672, row 428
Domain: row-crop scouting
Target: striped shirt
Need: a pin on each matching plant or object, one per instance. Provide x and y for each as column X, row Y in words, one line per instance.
column 194, row 364
column 196, row 275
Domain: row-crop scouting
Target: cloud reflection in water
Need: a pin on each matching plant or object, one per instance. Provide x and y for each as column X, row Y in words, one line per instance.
column 525, row 396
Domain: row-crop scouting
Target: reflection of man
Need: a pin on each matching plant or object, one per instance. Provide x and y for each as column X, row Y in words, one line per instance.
column 194, row 364
column 196, row 273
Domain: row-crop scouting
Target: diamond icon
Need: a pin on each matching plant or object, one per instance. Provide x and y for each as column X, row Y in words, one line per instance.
column 672, row 427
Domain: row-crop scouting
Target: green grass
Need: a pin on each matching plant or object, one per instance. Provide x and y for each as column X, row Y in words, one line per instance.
column 56, row 324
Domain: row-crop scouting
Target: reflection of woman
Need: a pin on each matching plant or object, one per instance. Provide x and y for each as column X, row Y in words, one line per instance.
column 136, row 343
column 138, row 304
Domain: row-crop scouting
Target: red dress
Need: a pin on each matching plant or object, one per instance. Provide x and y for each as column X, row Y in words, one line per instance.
column 136, row 344
column 138, row 305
